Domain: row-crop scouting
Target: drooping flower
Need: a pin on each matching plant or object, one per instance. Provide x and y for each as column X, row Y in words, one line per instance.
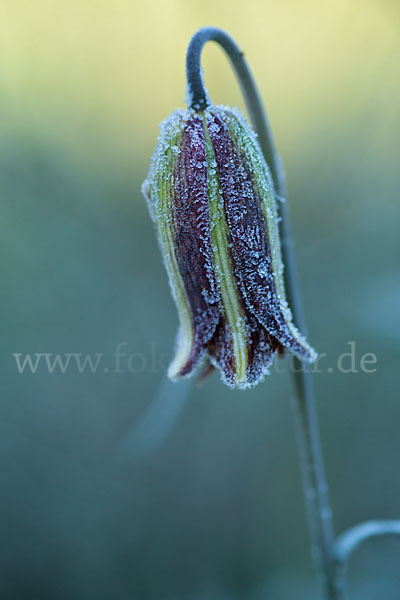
column 212, row 199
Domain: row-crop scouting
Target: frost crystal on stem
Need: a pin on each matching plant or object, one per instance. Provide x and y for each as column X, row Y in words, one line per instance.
column 211, row 196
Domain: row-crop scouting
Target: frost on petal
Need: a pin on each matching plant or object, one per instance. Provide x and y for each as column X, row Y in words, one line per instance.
column 211, row 197
column 158, row 191
column 192, row 244
column 255, row 251
column 233, row 309
column 220, row 352
column 261, row 350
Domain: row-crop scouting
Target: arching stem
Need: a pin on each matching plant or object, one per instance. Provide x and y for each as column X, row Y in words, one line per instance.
column 315, row 487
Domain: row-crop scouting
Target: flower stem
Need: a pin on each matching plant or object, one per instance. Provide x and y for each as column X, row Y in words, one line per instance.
column 315, row 487
column 351, row 539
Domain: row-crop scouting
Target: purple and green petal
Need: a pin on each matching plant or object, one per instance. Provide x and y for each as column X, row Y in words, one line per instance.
column 212, row 199
column 177, row 193
column 251, row 214
column 233, row 327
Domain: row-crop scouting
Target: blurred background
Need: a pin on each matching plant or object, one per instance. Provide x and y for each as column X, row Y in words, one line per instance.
column 113, row 484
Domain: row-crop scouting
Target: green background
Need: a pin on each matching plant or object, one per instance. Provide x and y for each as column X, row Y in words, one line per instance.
column 104, row 491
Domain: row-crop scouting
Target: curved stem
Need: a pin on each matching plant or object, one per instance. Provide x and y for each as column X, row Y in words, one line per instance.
column 198, row 98
column 351, row 539
column 315, row 487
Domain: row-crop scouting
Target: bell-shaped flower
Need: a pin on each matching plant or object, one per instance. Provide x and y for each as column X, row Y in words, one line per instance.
column 212, row 199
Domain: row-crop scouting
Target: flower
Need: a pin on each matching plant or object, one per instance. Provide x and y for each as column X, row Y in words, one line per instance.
column 211, row 196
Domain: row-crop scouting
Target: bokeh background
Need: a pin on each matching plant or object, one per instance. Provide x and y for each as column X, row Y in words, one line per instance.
column 115, row 485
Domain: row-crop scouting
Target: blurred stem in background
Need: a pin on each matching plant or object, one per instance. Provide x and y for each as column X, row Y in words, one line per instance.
column 158, row 420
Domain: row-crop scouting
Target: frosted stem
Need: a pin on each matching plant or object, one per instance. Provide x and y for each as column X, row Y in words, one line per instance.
column 315, row 487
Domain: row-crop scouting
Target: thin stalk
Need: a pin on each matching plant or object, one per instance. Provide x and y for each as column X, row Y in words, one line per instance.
column 351, row 539
column 315, row 486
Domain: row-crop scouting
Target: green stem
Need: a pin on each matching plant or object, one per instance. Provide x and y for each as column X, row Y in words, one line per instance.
column 315, row 486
